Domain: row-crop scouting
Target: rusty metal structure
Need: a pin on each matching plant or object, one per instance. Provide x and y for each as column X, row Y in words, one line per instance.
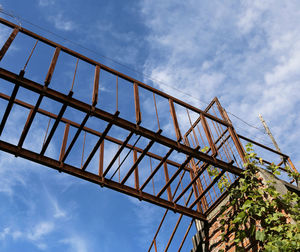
column 167, row 168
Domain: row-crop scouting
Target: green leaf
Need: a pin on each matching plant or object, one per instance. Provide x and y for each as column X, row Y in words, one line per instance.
column 260, row 235
column 247, row 204
column 240, row 217
column 257, row 203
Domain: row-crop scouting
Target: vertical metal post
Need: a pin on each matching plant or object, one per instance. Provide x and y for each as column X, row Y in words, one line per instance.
column 96, row 86
column 29, row 57
column 196, row 193
column 156, row 111
column 193, row 130
column 175, row 122
column 117, row 93
column 155, row 247
column 101, row 159
column 52, row 67
column 73, row 81
column 64, row 142
column 152, row 177
column 167, row 180
column 232, row 132
column 47, row 131
column 83, row 146
column 136, row 171
column 198, row 184
column 138, row 115
column 208, row 135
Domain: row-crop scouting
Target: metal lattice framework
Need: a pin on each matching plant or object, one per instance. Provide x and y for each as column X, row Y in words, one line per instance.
column 187, row 187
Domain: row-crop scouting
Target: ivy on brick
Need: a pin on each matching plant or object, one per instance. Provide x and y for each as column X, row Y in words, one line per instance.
column 256, row 213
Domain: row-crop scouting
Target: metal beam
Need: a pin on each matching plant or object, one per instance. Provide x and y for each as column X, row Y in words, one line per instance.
column 9, row 107
column 54, row 164
column 55, row 125
column 101, row 139
column 112, row 71
column 162, row 161
column 8, row 42
column 175, row 174
column 76, row 104
column 139, row 160
column 117, row 154
column 91, row 131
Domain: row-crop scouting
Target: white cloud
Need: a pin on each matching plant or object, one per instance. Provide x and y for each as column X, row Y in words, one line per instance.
column 246, row 54
column 76, row 243
column 62, row 23
column 36, row 235
column 9, row 232
column 40, row 230
column 4, row 233
column 59, row 213
column 251, row 16
column 45, row 3
column 16, row 234
column 42, row 246
column 10, row 178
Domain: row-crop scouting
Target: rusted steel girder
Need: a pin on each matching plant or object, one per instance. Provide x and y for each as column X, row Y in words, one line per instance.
column 62, row 167
column 86, row 108
column 110, row 70
column 95, row 133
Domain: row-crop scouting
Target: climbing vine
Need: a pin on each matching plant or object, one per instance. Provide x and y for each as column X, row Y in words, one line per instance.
column 257, row 213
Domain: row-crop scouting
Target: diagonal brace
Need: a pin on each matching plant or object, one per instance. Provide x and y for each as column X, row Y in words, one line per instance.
column 139, row 159
column 55, row 125
column 99, row 141
column 176, row 173
column 118, row 153
column 156, row 168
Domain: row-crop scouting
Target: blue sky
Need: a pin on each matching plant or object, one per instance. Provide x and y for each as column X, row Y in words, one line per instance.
column 245, row 53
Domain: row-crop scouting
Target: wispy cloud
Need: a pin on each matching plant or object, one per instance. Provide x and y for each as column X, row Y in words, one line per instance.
column 36, row 235
column 12, row 178
column 58, row 212
column 242, row 53
column 4, row 233
column 61, row 22
column 40, row 230
column 76, row 243
column 45, row 3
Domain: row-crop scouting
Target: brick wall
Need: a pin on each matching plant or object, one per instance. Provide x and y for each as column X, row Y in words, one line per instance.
column 209, row 238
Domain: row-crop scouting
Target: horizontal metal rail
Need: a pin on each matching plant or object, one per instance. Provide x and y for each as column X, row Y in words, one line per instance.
column 93, row 132
column 101, row 114
column 262, row 146
column 110, row 70
column 54, row 164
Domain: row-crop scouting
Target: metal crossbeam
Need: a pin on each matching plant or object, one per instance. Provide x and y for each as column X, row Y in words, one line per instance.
column 212, row 129
column 52, row 163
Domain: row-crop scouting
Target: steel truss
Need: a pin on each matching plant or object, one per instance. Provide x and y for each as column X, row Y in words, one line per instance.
column 212, row 129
